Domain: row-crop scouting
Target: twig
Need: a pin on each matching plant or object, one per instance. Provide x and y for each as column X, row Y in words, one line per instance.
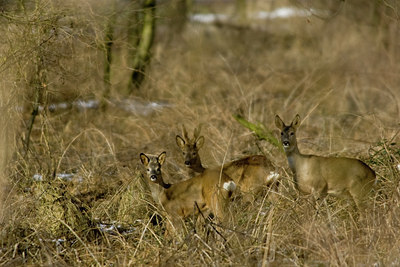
column 35, row 112
column 208, row 221
column 80, row 240
column 269, row 236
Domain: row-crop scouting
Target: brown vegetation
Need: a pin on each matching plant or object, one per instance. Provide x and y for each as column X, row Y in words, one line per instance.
column 76, row 197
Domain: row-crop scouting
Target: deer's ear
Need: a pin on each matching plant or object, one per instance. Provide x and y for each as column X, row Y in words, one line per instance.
column 296, row 122
column 144, row 159
column 180, row 142
column 161, row 157
column 279, row 123
column 200, row 142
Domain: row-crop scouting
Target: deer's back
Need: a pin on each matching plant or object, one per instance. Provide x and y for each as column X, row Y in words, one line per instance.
column 332, row 174
column 180, row 198
column 249, row 172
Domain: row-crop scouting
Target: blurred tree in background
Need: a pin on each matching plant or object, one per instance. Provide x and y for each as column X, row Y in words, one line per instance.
column 142, row 54
column 141, row 25
column 108, row 44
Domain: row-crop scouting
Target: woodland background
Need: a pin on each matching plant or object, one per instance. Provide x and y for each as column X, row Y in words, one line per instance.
column 88, row 85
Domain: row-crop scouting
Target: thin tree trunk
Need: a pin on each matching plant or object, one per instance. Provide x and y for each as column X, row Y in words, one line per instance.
column 142, row 53
column 179, row 15
column 38, row 87
column 35, row 112
column 108, row 42
column 241, row 11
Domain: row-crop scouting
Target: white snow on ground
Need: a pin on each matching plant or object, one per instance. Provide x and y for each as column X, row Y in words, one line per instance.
column 140, row 107
column 116, row 227
column 137, row 107
column 63, row 176
column 283, row 12
column 208, row 18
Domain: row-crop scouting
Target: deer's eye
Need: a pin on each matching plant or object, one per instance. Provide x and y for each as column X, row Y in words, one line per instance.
column 194, row 153
column 281, row 133
column 158, row 169
column 148, row 170
column 292, row 133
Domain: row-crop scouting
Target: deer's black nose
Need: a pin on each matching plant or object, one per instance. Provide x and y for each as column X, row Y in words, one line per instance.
column 187, row 162
column 153, row 177
column 286, row 143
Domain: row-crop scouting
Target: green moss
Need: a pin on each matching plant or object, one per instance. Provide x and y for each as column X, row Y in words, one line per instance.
column 260, row 131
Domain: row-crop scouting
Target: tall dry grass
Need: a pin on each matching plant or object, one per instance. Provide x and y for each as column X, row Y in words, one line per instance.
column 340, row 74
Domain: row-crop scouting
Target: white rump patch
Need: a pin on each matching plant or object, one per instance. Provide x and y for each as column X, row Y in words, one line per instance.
column 229, row 186
column 398, row 167
column 272, row 177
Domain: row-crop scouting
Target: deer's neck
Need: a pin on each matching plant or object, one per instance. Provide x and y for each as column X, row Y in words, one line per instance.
column 157, row 189
column 198, row 167
column 293, row 156
column 163, row 184
column 162, row 194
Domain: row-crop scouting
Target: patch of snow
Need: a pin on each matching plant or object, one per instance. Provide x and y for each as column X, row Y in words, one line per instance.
column 86, row 104
column 208, row 18
column 114, row 227
column 58, row 106
column 283, row 12
column 63, row 176
column 69, row 177
column 79, row 104
column 141, row 107
column 138, row 107
column 38, row 177
column 106, row 228
column 58, row 241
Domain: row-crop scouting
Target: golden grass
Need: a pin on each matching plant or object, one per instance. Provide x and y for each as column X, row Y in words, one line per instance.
column 341, row 75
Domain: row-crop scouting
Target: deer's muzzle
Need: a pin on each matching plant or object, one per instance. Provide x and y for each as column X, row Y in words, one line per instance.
column 286, row 143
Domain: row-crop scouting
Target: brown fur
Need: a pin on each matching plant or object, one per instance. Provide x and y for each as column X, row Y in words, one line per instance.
column 251, row 173
column 325, row 175
column 179, row 200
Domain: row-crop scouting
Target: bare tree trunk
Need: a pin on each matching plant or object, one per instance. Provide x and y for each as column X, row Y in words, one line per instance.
column 180, row 14
column 39, row 86
column 241, row 11
column 108, row 43
column 142, row 52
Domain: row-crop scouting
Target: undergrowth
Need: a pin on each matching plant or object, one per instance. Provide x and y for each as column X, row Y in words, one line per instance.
column 76, row 195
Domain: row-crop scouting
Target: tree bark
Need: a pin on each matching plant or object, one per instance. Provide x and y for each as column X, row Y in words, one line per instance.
column 108, row 43
column 39, row 85
column 142, row 53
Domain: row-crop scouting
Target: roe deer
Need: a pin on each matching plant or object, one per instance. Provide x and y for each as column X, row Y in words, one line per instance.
column 251, row 173
column 319, row 175
column 210, row 191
